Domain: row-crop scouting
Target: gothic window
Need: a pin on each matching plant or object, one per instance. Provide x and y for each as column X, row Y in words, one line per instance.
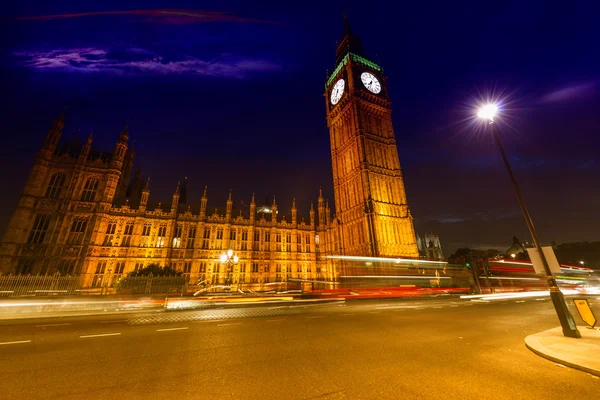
column 90, row 189
column 202, row 268
column 162, row 232
column 127, row 235
column 177, row 237
column 268, row 237
column 138, row 266
column 39, row 229
column 67, row 267
column 206, row 233
column 242, row 277
column 119, row 269
column 110, row 233
column 77, row 231
column 219, row 234
column 55, row 186
column 187, row 269
column 25, row 267
column 255, row 267
column 278, row 241
column 218, row 243
column 232, row 234
column 146, row 230
column 267, row 268
column 99, row 274
column 191, row 237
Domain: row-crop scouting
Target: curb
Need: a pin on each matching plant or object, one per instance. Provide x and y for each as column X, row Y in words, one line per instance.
column 557, row 360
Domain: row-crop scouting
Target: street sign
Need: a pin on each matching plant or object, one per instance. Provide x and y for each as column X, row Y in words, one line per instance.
column 585, row 311
column 538, row 266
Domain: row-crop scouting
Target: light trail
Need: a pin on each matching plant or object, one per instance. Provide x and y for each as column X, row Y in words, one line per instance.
column 384, row 259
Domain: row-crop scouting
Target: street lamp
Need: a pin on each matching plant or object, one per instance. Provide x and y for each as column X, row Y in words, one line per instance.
column 513, row 255
column 487, row 113
column 229, row 259
column 581, row 262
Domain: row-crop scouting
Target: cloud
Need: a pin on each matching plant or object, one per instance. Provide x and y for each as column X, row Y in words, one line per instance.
column 169, row 16
column 570, row 93
column 138, row 61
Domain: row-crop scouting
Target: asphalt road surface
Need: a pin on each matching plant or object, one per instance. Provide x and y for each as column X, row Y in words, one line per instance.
column 426, row 349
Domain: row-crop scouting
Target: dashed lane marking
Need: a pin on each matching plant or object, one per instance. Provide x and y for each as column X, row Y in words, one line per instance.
column 438, row 307
column 231, row 323
column 276, row 320
column 47, row 325
column 171, row 329
column 100, row 335
column 16, row 342
column 520, row 301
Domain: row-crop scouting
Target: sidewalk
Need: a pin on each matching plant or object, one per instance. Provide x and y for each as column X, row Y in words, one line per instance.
column 582, row 354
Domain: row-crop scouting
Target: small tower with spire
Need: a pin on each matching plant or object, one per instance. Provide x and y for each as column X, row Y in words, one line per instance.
column 85, row 150
column 274, row 211
column 327, row 213
column 203, row 203
column 145, row 196
column 120, row 149
column 252, row 209
column 229, row 206
column 294, row 212
column 321, row 208
column 312, row 215
column 53, row 136
column 175, row 203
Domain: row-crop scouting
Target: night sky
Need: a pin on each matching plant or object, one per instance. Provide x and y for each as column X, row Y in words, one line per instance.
column 230, row 94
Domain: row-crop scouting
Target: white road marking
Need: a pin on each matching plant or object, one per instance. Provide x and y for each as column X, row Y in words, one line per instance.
column 16, row 342
column 453, row 306
column 438, row 307
column 276, row 320
column 100, row 335
column 43, row 326
column 520, row 301
column 540, row 299
column 275, row 308
column 316, row 316
column 171, row 329
column 233, row 323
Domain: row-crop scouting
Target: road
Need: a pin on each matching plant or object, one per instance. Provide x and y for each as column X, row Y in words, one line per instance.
column 420, row 349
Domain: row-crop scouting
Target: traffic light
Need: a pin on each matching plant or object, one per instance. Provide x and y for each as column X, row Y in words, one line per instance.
column 468, row 265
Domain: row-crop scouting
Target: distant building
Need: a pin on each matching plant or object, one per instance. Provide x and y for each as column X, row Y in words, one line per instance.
column 430, row 246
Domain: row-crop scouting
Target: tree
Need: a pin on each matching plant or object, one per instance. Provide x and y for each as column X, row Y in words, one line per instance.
column 155, row 270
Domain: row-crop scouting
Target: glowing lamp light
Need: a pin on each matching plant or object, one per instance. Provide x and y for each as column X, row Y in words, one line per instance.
column 229, row 253
column 223, row 258
column 487, row 112
column 581, row 262
column 236, row 259
column 513, row 255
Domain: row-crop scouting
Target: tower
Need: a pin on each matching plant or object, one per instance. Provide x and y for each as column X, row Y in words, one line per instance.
column 370, row 199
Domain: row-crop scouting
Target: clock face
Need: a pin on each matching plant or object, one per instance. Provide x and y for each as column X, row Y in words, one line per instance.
column 338, row 91
column 370, row 82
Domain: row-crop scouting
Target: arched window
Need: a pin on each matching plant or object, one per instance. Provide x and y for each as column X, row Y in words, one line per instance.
column 55, row 185
column 89, row 190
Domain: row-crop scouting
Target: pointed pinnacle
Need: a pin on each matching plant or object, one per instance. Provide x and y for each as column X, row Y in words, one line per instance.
column 204, row 194
column 177, row 190
column 252, row 201
column 229, row 198
column 147, row 187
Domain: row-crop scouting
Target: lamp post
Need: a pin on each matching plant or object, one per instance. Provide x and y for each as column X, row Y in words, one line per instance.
column 513, row 255
column 487, row 113
column 229, row 259
column 582, row 263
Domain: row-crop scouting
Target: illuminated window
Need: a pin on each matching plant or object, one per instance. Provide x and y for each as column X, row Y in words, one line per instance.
column 206, row 233
column 119, row 268
column 254, row 267
column 89, row 190
column 267, row 236
column 177, row 237
column 219, row 234
column 266, row 268
column 162, row 231
column 232, row 234
column 55, row 185
column 146, row 230
column 39, row 229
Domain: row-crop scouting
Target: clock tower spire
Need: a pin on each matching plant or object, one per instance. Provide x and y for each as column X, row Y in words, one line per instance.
column 370, row 199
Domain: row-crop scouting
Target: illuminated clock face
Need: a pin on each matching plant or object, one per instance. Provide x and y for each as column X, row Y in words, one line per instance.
column 370, row 82
column 338, row 91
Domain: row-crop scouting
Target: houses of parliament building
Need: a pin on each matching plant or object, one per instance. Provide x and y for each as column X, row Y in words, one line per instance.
column 83, row 214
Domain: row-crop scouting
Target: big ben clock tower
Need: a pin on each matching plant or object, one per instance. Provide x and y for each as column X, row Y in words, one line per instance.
column 370, row 199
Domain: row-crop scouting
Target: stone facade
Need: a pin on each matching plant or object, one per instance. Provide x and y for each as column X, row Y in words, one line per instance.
column 430, row 246
column 370, row 199
column 81, row 213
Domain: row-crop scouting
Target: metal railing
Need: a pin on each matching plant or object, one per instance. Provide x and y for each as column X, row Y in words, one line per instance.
column 39, row 285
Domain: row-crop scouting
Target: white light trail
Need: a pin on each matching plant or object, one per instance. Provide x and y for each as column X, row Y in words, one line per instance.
column 384, row 259
column 398, row 277
column 515, row 295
